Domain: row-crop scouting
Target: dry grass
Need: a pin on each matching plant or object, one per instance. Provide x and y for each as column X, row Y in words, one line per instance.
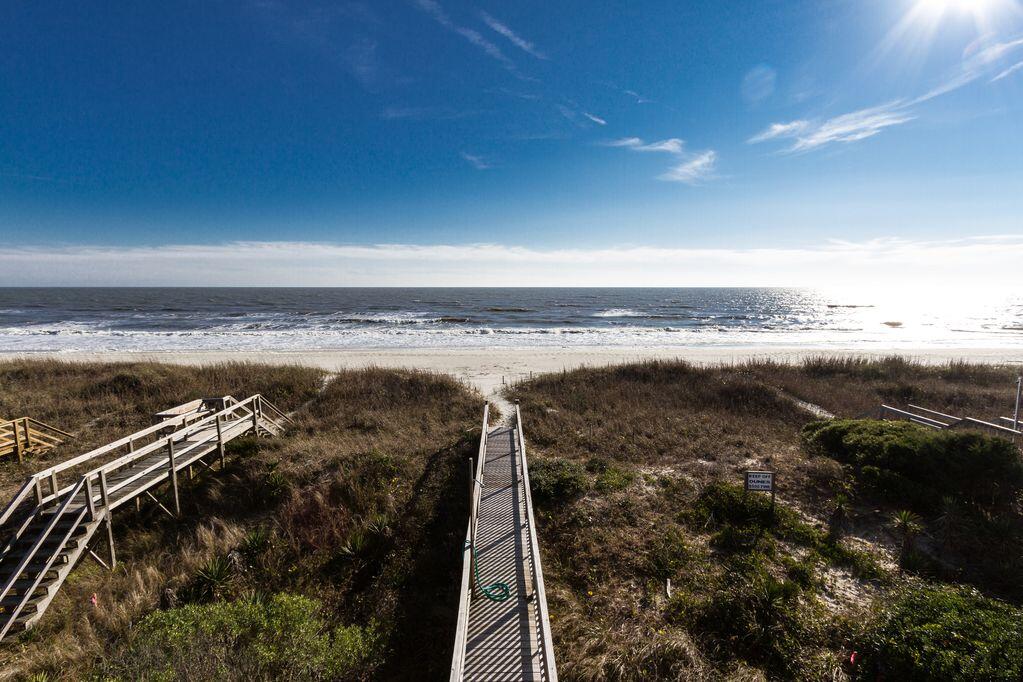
column 850, row 386
column 356, row 506
column 102, row 402
column 673, row 432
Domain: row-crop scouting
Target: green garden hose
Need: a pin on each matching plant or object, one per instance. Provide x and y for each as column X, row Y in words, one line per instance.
column 495, row 591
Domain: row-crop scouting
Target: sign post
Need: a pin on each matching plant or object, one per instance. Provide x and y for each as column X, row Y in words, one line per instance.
column 760, row 481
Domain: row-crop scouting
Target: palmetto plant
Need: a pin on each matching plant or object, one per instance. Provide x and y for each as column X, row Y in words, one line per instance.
column 907, row 525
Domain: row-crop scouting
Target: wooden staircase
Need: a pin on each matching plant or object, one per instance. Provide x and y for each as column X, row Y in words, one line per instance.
column 45, row 529
column 28, row 436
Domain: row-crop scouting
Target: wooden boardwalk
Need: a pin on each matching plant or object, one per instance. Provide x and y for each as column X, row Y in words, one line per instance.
column 503, row 640
column 47, row 528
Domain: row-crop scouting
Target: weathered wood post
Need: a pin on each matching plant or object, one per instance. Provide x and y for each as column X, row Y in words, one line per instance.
column 220, row 442
column 89, row 502
column 255, row 417
column 53, row 482
column 28, row 434
column 105, row 497
column 17, row 442
column 173, row 475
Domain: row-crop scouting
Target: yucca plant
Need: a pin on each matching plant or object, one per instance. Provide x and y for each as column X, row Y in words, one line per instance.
column 907, row 525
column 213, row 578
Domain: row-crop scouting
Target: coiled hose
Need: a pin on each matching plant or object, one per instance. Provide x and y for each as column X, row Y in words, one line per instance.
column 495, row 591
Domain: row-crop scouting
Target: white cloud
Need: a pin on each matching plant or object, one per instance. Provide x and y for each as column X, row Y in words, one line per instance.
column 851, row 127
column 1008, row 72
column 672, row 145
column 476, row 161
column 691, row 169
column 979, row 59
column 979, row 262
column 515, row 39
column 776, row 130
column 596, row 119
column 699, row 168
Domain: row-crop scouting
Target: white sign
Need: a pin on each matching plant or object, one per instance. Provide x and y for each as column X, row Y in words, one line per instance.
column 760, row 481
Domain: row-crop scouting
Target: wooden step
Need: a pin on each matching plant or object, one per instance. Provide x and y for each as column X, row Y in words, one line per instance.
column 8, row 604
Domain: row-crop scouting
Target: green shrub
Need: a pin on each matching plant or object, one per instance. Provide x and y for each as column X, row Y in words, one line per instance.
column 751, row 614
column 931, row 632
column 745, row 522
column 611, row 477
column 557, row 480
column 281, row 637
column 669, row 554
column 919, row 466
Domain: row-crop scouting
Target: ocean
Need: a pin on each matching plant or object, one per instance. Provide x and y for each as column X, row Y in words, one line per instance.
column 169, row 319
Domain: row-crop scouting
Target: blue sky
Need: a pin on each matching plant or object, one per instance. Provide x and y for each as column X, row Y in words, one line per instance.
column 714, row 126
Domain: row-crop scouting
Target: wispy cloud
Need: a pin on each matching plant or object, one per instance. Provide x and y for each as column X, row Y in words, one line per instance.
column 672, row 145
column 851, row 127
column 1008, row 72
column 473, row 36
column 979, row 59
column 758, row 83
column 583, row 119
column 694, row 171
column 516, row 40
column 776, row 130
column 640, row 99
column 476, row 161
column 885, row 263
column 692, row 168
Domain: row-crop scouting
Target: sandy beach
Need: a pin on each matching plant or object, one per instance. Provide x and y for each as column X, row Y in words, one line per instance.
column 488, row 369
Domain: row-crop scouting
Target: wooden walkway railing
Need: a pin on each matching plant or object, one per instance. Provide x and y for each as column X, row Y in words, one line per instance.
column 940, row 420
column 25, row 435
column 46, row 528
column 502, row 639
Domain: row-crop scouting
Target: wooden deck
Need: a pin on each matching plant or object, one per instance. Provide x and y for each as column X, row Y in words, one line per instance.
column 47, row 528
column 504, row 641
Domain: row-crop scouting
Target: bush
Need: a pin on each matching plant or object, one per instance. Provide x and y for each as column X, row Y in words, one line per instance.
column 282, row 637
column 610, row 477
column 669, row 554
column 557, row 480
column 759, row 617
column 918, row 466
column 746, row 523
column 931, row 632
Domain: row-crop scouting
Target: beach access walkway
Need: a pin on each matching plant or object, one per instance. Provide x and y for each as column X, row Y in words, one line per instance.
column 61, row 512
column 503, row 631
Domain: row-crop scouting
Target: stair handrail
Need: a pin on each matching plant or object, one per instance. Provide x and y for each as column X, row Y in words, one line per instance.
column 111, row 466
column 276, row 410
column 469, row 553
column 33, row 482
column 250, row 407
column 539, row 592
column 16, row 574
column 177, row 436
column 43, row 426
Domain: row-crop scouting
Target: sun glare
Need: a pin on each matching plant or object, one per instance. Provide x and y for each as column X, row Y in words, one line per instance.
column 942, row 6
column 981, row 11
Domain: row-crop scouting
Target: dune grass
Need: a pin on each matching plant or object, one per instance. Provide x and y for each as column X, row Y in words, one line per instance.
column 754, row 593
column 351, row 510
